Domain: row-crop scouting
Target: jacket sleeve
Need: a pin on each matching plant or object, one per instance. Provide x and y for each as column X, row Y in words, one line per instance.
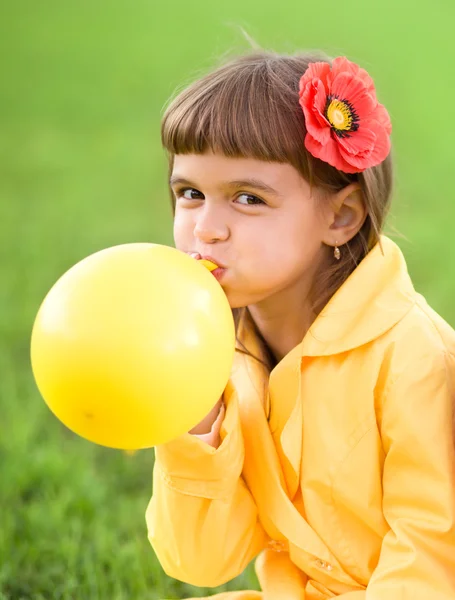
column 417, row 560
column 202, row 520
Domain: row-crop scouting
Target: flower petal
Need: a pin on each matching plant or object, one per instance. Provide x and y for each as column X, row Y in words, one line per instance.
column 382, row 116
column 352, row 89
column 342, row 64
column 316, row 70
column 360, row 141
column 370, row 157
column 312, row 101
column 382, row 145
column 315, row 98
column 329, row 153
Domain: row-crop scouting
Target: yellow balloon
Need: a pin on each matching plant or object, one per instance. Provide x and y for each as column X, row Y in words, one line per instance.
column 133, row 345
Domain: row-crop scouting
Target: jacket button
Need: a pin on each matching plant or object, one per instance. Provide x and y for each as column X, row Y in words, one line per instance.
column 323, row 565
column 276, row 545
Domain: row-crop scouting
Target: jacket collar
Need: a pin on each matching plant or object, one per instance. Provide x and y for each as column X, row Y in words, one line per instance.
column 376, row 295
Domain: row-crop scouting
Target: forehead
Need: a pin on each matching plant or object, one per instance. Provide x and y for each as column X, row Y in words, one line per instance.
column 212, row 168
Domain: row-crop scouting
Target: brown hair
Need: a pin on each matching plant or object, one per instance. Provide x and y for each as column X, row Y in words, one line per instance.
column 249, row 107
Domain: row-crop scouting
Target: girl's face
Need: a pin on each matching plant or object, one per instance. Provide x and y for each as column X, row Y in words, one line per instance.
column 258, row 220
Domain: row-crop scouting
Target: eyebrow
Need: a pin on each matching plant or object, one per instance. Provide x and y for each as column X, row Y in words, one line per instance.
column 237, row 183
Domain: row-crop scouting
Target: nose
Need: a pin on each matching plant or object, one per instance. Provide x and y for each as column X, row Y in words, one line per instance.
column 211, row 225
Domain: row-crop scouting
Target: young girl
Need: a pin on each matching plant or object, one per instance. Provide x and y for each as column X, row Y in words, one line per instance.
column 330, row 455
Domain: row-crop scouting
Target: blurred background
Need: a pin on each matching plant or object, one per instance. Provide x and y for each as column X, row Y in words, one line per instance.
column 82, row 89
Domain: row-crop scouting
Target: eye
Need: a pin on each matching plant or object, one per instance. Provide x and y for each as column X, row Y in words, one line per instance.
column 250, row 200
column 189, row 194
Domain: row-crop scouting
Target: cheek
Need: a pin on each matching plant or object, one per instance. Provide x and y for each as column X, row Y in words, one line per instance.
column 183, row 229
column 287, row 246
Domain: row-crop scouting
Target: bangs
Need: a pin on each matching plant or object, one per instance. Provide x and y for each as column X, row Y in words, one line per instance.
column 244, row 110
column 249, row 108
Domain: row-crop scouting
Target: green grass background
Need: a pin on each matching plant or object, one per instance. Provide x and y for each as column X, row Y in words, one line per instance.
column 82, row 87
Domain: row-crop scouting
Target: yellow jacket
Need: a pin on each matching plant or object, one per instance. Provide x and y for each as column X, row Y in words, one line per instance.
column 342, row 473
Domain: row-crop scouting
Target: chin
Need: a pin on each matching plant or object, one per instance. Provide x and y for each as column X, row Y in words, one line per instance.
column 238, row 299
column 235, row 300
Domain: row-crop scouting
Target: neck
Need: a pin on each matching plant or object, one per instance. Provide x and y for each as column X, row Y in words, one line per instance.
column 284, row 319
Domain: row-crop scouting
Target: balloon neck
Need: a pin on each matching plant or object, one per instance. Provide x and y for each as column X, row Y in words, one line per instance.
column 208, row 264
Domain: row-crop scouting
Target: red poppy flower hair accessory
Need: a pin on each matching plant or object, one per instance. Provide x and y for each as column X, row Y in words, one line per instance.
column 346, row 125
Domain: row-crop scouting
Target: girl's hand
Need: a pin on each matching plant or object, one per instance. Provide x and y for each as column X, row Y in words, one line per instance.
column 205, row 426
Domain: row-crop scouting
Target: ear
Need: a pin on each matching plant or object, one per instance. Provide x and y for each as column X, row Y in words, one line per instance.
column 346, row 215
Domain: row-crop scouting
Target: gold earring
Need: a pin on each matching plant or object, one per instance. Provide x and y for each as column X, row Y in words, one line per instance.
column 336, row 252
